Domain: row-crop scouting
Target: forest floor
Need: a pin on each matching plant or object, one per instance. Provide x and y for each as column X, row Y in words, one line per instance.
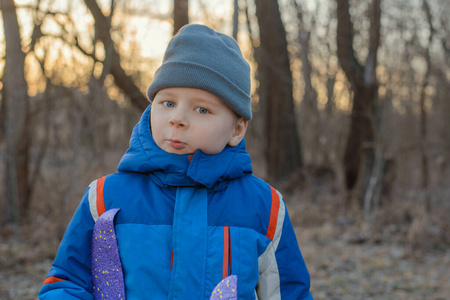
column 343, row 263
column 342, row 267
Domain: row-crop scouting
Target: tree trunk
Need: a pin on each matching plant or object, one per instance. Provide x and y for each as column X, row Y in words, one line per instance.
column 359, row 148
column 359, row 152
column 309, row 117
column 17, row 127
column 180, row 14
column 423, row 112
column 111, row 63
column 283, row 154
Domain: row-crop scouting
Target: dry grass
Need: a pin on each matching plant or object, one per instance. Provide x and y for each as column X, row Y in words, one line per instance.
column 343, row 269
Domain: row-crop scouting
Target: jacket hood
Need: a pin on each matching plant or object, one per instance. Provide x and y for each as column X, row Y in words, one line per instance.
column 144, row 156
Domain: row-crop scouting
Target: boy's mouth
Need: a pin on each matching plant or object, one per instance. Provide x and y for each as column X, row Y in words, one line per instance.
column 176, row 144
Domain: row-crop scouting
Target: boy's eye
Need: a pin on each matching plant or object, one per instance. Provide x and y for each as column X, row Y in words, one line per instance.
column 168, row 104
column 202, row 110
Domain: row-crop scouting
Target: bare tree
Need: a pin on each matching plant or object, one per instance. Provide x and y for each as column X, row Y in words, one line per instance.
column 180, row 14
column 359, row 153
column 17, row 126
column 283, row 153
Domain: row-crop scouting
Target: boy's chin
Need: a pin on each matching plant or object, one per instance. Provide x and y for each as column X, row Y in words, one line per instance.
column 180, row 151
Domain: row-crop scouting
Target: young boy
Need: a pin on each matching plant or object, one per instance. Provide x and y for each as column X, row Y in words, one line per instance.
column 184, row 212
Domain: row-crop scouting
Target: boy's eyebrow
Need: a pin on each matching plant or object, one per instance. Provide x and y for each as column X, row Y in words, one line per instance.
column 165, row 93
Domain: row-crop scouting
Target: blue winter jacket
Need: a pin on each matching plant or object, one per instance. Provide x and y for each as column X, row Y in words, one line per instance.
column 171, row 229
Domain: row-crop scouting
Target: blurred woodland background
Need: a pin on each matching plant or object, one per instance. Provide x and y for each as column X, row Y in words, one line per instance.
column 351, row 104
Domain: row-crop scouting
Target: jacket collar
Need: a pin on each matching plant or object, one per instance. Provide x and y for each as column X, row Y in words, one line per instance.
column 212, row 171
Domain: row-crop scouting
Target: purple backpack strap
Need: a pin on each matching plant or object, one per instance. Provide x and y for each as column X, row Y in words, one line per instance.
column 106, row 268
column 226, row 289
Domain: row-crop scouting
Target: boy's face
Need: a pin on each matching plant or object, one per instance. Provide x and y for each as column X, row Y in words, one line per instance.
column 184, row 120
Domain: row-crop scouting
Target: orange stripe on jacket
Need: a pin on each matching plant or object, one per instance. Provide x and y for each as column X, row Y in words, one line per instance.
column 226, row 249
column 100, row 200
column 273, row 214
column 52, row 279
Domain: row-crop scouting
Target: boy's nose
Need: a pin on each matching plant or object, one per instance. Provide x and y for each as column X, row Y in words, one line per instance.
column 178, row 120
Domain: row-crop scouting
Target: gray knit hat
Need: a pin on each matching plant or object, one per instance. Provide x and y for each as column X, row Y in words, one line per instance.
column 199, row 57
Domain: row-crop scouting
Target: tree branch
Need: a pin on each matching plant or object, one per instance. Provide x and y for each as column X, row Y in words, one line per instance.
column 123, row 81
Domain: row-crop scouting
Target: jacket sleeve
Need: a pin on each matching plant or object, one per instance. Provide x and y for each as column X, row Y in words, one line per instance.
column 283, row 272
column 70, row 274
